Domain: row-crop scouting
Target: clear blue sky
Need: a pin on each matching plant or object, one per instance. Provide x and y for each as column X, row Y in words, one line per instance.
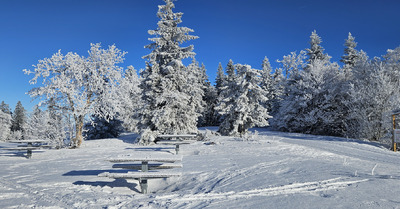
column 244, row 31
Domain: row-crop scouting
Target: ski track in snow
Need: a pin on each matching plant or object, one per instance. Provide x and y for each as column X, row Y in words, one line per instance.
column 296, row 188
column 226, row 178
column 349, row 149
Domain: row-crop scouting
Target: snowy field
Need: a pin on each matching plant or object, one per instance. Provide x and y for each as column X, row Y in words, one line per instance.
column 272, row 170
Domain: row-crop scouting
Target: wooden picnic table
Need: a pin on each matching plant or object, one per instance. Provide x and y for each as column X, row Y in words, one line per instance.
column 30, row 145
column 144, row 175
column 178, row 140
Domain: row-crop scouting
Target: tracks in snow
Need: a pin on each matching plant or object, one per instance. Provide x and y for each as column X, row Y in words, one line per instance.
column 296, row 188
column 346, row 149
column 21, row 190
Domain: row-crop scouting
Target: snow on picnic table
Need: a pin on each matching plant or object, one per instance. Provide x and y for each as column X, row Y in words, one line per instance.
column 275, row 170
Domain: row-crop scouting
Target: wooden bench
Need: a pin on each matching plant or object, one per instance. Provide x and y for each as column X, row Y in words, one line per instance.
column 175, row 139
column 28, row 147
column 141, row 176
column 144, row 175
column 151, row 166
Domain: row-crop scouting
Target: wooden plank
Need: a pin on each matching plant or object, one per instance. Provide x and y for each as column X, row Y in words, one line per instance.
column 28, row 141
column 168, row 142
column 34, row 145
column 19, row 148
column 146, row 159
column 139, row 175
column 176, row 135
column 151, row 166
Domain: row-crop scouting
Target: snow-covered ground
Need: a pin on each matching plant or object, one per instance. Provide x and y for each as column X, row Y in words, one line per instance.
column 273, row 170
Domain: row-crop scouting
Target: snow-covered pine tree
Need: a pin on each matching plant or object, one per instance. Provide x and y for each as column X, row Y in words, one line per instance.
column 328, row 99
column 130, row 97
column 5, row 125
column 267, row 82
column 18, row 118
column 316, row 51
column 293, row 63
column 375, row 96
column 351, row 55
column 209, row 116
column 199, row 84
column 168, row 108
column 220, row 78
column 5, row 108
column 241, row 102
column 36, row 125
column 278, row 88
column 57, row 127
column 79, row 85
column 226, row 95
column 292, row 66
column 100, row 128
column 5, row 121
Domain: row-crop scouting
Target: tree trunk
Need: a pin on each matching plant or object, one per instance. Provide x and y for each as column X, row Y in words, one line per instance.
column 77, row 141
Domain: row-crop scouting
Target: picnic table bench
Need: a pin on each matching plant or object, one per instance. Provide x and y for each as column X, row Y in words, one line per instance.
column 175, row 139
column 144, row 175
column 29, row 146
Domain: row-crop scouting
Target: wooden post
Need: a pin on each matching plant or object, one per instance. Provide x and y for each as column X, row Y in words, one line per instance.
column 143, row 185
column 29, row 151
column 143, row 181
column 178, row 139
column 145, row 166
column 394, row 127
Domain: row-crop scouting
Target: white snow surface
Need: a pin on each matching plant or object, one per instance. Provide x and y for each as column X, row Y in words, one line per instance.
column 272, row 170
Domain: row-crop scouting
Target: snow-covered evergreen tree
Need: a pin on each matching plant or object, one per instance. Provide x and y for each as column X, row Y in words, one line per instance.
column 267, row 82
column 292, row 66
column 57, row 126
column 375, row 95
column 311, row 100
column 277, row 88
column 18, row 118
column 316, row 51
column 100, row 128
column 129, row 95
column 5, row 121
column 293, row 63
column 5, row 108
column 79, row 84
column 45, row 125
column 36, row 125
column 199, row 84
column 5, row 125
column 168, row 108
column 220, row 78
column 242, row 101
column 351, row 55
column 316, row 99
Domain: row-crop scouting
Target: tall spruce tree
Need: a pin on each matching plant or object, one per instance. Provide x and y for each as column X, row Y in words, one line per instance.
column 316, row 51
column 5, row 125
column 5, row 108
column 267, row 82
column 351, row 55
column 220, row 78
column 129, row 95
column 18, row 118
column 168, row 105
column 241, row 102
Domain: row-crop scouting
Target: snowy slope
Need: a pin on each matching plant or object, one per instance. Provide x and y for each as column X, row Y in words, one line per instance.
column 274, row 170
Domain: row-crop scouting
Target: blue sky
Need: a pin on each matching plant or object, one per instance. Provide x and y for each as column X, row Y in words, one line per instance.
column 244, row 31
